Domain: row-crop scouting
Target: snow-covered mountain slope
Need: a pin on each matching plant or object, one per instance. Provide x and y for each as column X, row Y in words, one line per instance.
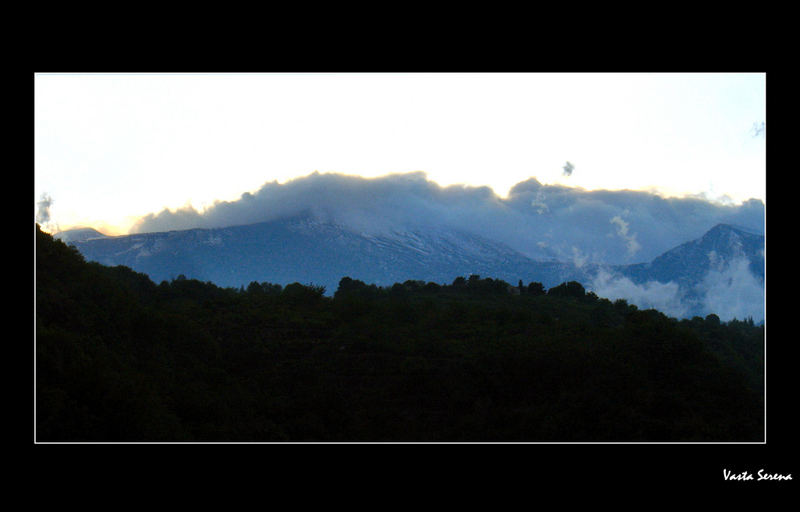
column 302, row 249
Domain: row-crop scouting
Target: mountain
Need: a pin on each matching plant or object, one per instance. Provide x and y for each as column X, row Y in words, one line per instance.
column 722, row 272
column 688, row 263
column 78, row 235
column 303, row 249
column 725, row 264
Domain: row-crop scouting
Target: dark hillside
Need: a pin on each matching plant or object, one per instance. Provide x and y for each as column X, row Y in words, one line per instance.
column 122, row 358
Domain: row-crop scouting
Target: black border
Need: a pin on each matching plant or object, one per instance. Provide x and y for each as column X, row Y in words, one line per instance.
column 516, row 469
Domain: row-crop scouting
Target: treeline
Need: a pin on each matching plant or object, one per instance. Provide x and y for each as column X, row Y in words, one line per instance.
column 119, row 357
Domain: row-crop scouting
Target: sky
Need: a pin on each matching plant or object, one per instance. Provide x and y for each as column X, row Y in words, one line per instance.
column 111, row 149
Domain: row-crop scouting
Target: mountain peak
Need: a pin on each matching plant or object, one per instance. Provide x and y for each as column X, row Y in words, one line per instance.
column 727, row 228
column 728, row 236
column 78, row 235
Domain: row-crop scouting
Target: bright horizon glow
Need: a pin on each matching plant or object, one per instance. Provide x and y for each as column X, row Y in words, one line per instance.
column 111, row 148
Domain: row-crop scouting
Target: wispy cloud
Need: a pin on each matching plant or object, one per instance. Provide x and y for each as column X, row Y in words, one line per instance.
column 622, row 231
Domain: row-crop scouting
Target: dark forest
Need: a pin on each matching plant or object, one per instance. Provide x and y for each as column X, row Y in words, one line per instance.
column 121, row 358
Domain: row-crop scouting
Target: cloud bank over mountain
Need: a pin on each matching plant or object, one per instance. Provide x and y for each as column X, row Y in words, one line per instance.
column 540, row 221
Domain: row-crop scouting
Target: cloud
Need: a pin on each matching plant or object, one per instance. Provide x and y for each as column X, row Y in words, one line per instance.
column 43, row 216
column 729, row 291
column 540, row 221
column 43, row 211
column 732, row 291
column 578, row 259
column 539, row 203
column 665, row 297
column 363, row 204
column 649, row 224
column 622, row 230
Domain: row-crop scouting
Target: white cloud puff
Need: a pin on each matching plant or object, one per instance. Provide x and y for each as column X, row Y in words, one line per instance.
column 733, row 292
column 665, row 297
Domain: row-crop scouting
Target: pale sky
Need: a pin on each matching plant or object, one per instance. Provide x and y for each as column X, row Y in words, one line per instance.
column 110, row 148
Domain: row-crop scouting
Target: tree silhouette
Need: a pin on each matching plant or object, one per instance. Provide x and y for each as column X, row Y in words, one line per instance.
column 536, row 289
column 568, row 289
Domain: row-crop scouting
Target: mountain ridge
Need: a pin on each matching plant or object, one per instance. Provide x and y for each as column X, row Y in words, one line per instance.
column 306, row 249
column 303, row 249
